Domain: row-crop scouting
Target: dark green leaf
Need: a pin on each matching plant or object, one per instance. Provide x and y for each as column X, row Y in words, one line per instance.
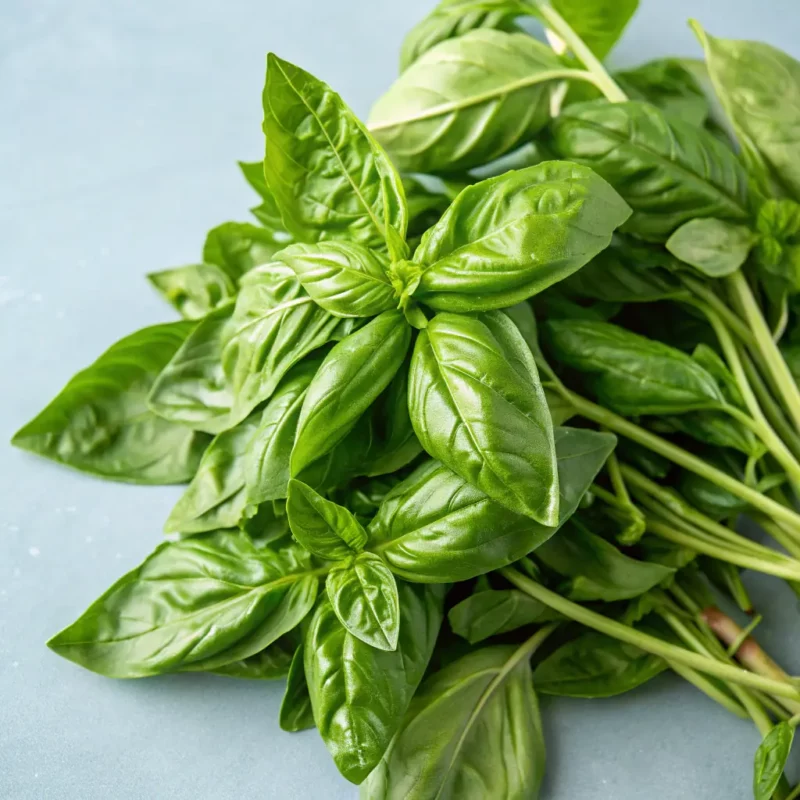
column 324, row 528
column 188, row 603
column 667, row 170
column 100, row 423
column 435, row 527
column 359, row 694
column 296, row 714
column 329, row 178
column 651, row 464
column 595, row 665
column 194, row 290
column 467, row 101
column 510, row 237
column 364, row 596
column 714, row 247
column 770, row 760
column 472, row 732
column 350, row 379
column 270, row 664
column 708, row 497
column 477, row 405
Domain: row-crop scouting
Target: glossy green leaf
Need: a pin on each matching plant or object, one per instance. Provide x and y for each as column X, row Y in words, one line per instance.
column 473, row 732
column 595, row 568
column 237, row 247
column 345, row 278
column 708, row 497
column 770, row 760
column 100, row 423
column 632, row 374
column 351, row 378
column 188, row 603
column 491, row 612
column 599, row 23
column 435, row 528
column 507, row 238
column 759, row 88
column 595, row 665
column 477, row 405
column 194, row 290
column 467, row 101
column 359, row 694
column 324, row 528
column 296, row 714
column 330, row 179
column 667, row 170
column 216, row 497
column 271, row 664
column 364, row 596
column 267, row 213
column 714, row 247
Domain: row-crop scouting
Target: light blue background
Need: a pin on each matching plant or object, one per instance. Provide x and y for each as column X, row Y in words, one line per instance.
column 120, row 123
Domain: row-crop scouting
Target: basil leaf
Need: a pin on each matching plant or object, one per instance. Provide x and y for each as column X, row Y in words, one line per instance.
column 633, row 375
column 714, row 247
column 778, row 249
column 770, row 760
column 268, row 213
column 216, row 496
column 491, row 612
column 347, row 279
column 510, row 237
column 708, row 497
column 595, row 665
column 467, row 101
column 350, row 379
column 296, row 714
column 599, row 23
column 364, row 596
column 667, row 170
column 99, row 423
column 358, row 709
column 434, row 527
column 324, row 528
column 194, row 290
column 759, row 88
column 668, row 84
column 473, row 731
column 237, row 247
column 454, row 18
column 595, row 568
column 192, row 388
column 189, row 602
column 330, row 179
column 270, row 664
column 477, row 405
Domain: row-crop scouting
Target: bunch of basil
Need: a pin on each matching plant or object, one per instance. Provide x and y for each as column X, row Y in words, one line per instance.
column 374, row 436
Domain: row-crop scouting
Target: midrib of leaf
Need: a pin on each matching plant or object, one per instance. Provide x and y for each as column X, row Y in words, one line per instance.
column 335, row 152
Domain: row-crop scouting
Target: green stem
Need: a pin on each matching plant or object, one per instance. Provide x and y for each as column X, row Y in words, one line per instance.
column 561, row 27
column 646, row 642
column 765, row 348
column 794, row 794
column 713, row 301
column 708, row 688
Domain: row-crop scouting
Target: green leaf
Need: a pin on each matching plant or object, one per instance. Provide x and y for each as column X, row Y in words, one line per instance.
column 350, row 379
column 467, row 101
column 595, row 568
column 507, row 238
column 454, row 18
column 216, row 497
column 435, row 528
column 477, row 405
column 271, row 664
column 324, row 528
column 345, row 278
column 667, row 170
column 714, row 247
column 330, row 179
column 100, row 423
column 770, row 760
column 359, row 694
column 190, row 602
column 268, row 213
column 708, row 497
column 599, row 23
column 759, row 88
column 633, row 375
column 492, row 612
column 194, row 290
column 296, row 714
column 237, row 247
column 364, row 596
column 472, row 732
column 595, row 665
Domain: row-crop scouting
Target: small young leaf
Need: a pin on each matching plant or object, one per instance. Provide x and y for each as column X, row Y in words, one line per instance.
column 714, row 247
column 770, row 760
column 194, row 290
column 296, row 714
column 363, row 594
column 324, row 528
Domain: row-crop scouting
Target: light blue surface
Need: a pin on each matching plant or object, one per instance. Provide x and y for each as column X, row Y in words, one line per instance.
column 120, row 125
